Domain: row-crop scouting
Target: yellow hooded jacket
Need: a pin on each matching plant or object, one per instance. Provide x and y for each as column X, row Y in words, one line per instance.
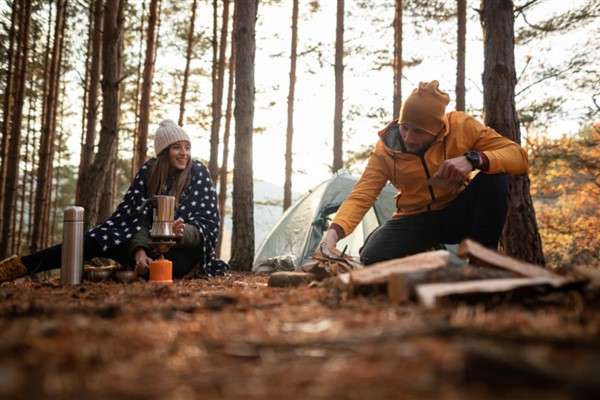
column 407, row 172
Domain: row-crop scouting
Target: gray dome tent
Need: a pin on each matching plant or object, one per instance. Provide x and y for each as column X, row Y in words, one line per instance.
column 295, row 236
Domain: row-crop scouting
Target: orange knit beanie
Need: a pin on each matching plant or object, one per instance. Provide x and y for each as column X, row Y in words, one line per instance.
column 425, row 108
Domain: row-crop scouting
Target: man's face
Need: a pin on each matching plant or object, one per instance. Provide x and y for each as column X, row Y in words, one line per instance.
column 415, row 140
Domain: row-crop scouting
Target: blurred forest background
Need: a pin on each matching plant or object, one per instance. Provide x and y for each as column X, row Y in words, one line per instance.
column 84, row 84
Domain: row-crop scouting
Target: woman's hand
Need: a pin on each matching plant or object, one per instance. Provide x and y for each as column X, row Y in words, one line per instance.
column 178, row 227
column 142, row 262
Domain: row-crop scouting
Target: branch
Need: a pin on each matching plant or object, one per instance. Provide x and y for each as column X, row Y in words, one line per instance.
column 555, row 74
column 524, row 68
column 519, row 10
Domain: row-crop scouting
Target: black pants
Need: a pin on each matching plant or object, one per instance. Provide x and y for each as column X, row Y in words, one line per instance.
column 184, row 258
column 479, row 213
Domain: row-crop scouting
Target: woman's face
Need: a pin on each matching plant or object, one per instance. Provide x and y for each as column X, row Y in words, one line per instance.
column 179, row 154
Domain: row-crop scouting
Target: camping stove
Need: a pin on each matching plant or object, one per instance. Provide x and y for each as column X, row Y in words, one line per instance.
column 162, row 237
column 161, row 269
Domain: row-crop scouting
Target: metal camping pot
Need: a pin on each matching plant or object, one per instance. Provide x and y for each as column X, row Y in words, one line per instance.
column 71, row 268
column 163, row 216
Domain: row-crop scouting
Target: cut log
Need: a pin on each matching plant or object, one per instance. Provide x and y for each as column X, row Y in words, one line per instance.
column 486, row 257
column 378, row 274
column 290, row 279
column 429, row 293
column 402, row 287
column 317, row 268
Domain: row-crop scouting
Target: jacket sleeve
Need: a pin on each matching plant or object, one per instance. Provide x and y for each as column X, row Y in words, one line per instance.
column 127, row 219
column 504, row 155
column 200, row 210
column 363, row 196
column 140, row 239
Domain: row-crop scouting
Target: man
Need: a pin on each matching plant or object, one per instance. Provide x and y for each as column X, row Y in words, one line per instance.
column 429, row 157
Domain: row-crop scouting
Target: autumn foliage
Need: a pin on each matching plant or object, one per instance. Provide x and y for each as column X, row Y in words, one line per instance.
column 565, row 186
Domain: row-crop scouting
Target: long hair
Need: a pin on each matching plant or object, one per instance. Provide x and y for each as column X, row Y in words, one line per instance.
column 158, row 176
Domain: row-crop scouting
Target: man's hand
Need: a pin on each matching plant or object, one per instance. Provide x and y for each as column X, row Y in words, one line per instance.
column 456, row 169
column 142, row 262
column 329, row 240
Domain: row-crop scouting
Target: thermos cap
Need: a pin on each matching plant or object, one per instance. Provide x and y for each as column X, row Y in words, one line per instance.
column 73, row 213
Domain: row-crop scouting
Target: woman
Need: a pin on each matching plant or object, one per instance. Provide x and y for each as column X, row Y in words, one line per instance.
column 125, row 235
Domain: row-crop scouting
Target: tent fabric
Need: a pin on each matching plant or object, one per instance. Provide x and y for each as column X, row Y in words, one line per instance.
column 295, row 236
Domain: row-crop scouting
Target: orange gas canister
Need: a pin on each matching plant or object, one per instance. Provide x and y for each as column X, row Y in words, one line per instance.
column 161, row 271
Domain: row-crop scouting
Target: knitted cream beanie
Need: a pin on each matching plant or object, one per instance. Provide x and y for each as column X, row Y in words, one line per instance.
column 425, row 108
column 168, row 132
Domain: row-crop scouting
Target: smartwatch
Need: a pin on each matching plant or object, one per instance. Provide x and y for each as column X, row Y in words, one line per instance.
column 474, row 158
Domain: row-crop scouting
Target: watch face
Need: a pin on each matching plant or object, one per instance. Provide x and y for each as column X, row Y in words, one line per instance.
column 473, row 158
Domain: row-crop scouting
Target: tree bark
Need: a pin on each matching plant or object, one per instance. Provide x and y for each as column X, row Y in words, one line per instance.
column 87, row 147
column 223, row 173
column 9, row 96
column 218, row 84
column 398, row 64
column 43, row 189
column 106, row 207
column 98, row 170
column 56, row 153
column 14, row 141
column 23, row 228
column 338, row 161
column 136, row 113
column 142, row 145
column 243, row 193
column 461, row 53
column 287, row 187
column 520, row 237
column 188, row 59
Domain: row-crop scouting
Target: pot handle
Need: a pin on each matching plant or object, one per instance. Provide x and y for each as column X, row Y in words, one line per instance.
column 152, row 202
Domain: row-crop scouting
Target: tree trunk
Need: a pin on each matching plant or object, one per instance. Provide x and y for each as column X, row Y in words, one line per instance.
column 142, row 145
column 188, row 60
column 87, row 148
column 461, row 53
column 136, row 114
column 287, row 187
column 9, row 96
column 108, row 193
column 520, row 238
column 218, row 94
column 56, row 181
column 43, row 189
column 91, row 192
column 26, row 195
column 338, row 162
column 213, row 160
column 242, row 243
column 224, row 166
column 48, row 234
column 30, row 220
column 398, row 64
column 14, row 141
column 26, row 177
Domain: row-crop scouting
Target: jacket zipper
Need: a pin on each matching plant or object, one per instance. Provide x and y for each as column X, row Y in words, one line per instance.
column 422, row 158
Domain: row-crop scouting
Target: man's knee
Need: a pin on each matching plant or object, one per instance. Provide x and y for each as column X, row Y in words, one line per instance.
column 494, row 188
column 492, row 182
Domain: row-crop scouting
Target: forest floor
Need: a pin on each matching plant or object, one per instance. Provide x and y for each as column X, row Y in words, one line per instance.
column 235, row 337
